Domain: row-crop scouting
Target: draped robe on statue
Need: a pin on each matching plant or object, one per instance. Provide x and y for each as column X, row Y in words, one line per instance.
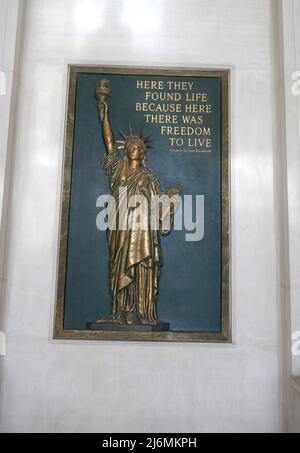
column 135, row 256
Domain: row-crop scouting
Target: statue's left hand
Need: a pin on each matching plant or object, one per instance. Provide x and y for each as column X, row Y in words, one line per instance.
column 174, row 191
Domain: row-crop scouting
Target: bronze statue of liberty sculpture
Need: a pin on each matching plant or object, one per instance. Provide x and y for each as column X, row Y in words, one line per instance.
column 135, row 254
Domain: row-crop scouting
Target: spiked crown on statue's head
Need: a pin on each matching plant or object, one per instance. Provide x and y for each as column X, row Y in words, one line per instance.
column 144, row 143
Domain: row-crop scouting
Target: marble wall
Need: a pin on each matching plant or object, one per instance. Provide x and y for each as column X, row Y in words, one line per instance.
column 291, row 146
column 82, row 387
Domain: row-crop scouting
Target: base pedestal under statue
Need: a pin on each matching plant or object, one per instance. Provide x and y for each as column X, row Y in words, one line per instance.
column 112, row 327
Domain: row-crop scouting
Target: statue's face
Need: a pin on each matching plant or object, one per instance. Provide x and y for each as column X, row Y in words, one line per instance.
column 134, row 152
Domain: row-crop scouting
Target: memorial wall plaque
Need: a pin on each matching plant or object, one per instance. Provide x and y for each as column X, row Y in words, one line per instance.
column 145, row 218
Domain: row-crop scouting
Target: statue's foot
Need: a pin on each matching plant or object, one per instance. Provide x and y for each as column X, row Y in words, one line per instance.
column 114, row 319
column 132, row 319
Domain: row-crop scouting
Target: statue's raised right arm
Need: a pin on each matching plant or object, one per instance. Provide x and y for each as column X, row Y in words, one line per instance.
column 102, row 92
column 107, row 132
column 112, row 163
